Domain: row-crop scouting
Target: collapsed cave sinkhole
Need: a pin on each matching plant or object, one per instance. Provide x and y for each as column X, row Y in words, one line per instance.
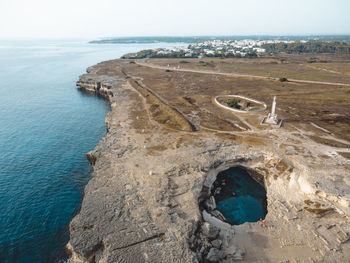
column 239, row 195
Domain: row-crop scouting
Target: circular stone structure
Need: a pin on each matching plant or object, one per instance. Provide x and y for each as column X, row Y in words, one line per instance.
column 218, row 103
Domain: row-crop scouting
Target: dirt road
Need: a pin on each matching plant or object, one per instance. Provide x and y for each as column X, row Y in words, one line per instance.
column 143, row 63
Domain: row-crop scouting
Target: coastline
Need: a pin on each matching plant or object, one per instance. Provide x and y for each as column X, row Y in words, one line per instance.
column 106, row 87
column 142, row 203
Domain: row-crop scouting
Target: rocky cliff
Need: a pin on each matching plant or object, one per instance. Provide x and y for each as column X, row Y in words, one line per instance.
column 142, row 202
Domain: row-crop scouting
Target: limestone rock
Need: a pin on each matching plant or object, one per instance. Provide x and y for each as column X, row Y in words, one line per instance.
column 216, row 243
column 290, row 150
column 131, row 215
column 214, row 255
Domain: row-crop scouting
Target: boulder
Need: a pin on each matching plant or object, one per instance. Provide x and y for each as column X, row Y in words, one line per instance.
column 214, row 255
column 216, row 243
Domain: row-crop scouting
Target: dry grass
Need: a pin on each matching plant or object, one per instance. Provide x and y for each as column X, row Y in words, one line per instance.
column 318, row 211
column 282, row 166
column 156, row 150
column 345, row 154
column 162, row 112
column 267, row 67
column 315, row 207
column 187, row 140
column 187, row 97
column 308, row 202
column 329, row 142
column 250, row 140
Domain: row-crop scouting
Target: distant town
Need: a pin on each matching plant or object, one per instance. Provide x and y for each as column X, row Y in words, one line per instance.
column 246, row 48
column 218, row 48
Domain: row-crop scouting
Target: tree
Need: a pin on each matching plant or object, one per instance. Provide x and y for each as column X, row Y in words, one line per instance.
column 233, row 103
column 283, row 79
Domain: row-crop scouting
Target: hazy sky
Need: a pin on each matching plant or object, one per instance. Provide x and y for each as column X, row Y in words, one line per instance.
column 106, row 18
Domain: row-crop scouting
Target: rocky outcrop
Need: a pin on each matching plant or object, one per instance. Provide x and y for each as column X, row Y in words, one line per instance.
column 98, row 84
column 142, row 202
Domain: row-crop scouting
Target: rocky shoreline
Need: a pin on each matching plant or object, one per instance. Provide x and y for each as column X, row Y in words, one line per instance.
column 142, row 201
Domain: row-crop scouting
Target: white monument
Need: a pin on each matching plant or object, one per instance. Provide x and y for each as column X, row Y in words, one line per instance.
column 272, row 117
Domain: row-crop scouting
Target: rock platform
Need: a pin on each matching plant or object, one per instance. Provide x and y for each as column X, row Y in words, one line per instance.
column 142, row 201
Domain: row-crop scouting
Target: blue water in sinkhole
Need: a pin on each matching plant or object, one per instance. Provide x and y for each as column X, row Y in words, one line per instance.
column 46, row 127
column 241, row 199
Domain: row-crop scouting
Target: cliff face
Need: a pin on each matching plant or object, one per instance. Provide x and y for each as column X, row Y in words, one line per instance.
column 142, row 202
column 98, row 84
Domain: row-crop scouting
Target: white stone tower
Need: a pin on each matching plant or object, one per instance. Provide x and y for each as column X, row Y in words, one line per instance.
column 272, row 117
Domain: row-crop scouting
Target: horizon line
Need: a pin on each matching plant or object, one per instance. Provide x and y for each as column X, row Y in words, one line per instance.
column 150, row 36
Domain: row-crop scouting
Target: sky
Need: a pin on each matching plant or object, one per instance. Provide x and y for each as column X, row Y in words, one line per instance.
column 96, row 19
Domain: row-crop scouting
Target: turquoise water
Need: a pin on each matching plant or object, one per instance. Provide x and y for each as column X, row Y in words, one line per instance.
column 241, row 199
column 46, row 127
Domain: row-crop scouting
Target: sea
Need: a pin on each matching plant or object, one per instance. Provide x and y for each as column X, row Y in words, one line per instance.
column 46, row 127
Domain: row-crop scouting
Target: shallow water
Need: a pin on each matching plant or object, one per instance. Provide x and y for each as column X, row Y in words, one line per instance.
column 241, row 199
column 46, row 127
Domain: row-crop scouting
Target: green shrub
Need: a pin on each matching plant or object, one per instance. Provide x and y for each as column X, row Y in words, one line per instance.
column 312, row 60
column 233, row 103
column 283, row 79
column 206, row 64
column 254, row 109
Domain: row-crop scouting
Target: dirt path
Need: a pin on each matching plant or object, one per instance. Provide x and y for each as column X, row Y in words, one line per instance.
column 328, row 70
column 143, row 63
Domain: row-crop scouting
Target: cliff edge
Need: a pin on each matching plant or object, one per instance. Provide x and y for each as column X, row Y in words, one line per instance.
column 153, row 169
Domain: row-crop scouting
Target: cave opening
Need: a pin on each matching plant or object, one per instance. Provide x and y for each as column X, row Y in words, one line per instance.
column 240, row 196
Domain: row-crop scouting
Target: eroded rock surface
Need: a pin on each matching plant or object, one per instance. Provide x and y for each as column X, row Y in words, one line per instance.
column 152, row 169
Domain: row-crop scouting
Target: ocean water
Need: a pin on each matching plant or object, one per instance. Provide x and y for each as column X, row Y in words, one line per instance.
column 241, row 199
column 46, row 127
